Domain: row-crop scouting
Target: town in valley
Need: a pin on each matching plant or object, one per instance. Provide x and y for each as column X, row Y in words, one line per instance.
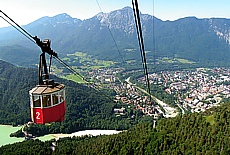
column 195, row 90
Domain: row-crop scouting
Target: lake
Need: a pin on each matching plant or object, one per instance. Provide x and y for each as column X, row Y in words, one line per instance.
column 6, row 130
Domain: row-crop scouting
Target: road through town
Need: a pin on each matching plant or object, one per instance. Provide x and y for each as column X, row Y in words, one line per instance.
column 169, row 111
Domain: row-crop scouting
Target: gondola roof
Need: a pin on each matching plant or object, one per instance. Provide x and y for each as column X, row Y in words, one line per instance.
column 46, row 89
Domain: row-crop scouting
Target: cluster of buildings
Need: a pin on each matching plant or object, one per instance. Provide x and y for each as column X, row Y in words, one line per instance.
column 196, row 90
column 127, row 93
column 104, row 75
column 130, row 95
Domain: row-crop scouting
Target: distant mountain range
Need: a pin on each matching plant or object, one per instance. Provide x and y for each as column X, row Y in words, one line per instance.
column 188, row 38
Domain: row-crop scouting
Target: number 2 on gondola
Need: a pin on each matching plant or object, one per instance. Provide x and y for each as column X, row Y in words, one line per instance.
column 37, row 115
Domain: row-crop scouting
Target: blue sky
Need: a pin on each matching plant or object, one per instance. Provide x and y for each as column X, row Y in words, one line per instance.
column 174, row 9
column 26, row 11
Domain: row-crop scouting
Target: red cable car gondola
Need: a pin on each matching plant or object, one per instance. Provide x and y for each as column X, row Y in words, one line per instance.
column 48, row 103
column 47, row 100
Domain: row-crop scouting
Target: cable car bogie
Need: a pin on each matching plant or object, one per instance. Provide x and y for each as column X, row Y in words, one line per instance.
column 47, row 100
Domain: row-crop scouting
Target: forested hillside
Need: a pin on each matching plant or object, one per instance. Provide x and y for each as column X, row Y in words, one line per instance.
column 197, row 133
column 87, row 108
column 20, row 55
column 15, row 84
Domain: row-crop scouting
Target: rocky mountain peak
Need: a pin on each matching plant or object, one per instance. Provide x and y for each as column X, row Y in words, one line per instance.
column 189, row 38
column 122, row 19
column 221, row 27
column 58, row 19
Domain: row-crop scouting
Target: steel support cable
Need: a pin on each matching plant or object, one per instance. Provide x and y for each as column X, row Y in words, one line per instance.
column 138, row 36
column 123, row 62
column 112, row 37
column 154, row 40
column 28, row 37
column 16, row 24
column 138, row 23
column 69, row 68
column 93, row 85
column 139, row 40
column 37, row 41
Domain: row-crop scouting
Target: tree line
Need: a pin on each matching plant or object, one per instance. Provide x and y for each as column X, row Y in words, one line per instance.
column 197, row 133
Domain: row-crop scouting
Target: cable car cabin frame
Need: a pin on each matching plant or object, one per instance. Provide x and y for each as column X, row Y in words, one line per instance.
column 47, row 100
column 48, row 103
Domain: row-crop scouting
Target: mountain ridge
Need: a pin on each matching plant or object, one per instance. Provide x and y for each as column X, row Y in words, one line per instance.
column 189, row 38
